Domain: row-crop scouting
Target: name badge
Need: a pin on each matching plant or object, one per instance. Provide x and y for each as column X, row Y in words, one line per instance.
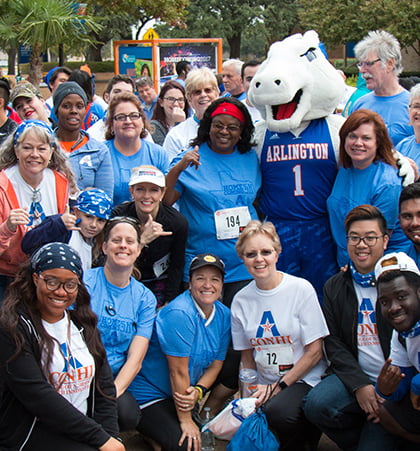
column 230, row 221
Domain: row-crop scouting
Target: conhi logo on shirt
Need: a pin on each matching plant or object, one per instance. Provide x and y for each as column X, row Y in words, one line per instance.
column 280, row 340
column 76, row 375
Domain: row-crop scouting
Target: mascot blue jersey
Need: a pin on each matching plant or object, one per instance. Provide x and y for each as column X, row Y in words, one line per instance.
column 298, row 173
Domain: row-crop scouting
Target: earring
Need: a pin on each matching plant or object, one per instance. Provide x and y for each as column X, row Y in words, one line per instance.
column 112, row 133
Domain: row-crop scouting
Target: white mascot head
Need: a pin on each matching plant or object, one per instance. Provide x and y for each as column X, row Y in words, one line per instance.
column 295, row 83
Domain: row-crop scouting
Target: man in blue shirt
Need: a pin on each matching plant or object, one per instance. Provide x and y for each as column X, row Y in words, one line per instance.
column 147, row 94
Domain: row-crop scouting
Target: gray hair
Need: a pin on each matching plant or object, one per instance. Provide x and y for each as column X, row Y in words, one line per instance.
column 385, row 44
column 234, row 62
column 200, row 77
column 414, row 93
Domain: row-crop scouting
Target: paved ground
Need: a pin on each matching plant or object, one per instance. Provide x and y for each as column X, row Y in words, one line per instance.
column 134, row 442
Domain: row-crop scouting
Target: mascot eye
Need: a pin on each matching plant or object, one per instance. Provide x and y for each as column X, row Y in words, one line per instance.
column 310, row 54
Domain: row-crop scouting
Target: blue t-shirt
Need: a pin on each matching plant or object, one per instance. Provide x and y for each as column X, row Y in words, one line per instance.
column 222, row 181
column 122, row 314
column 412, row 252
column 181, row 331
column 410, row 148
column 298, row 173
column 378, row 185
column 392, row 109
column 149, row 154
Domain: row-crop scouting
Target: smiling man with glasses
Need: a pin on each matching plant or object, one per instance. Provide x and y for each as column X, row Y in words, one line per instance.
column 379, row 63
column 359, row 340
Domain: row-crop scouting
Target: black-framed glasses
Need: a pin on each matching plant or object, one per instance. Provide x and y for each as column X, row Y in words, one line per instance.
column 263, row 253
column 369, row 240
column 175, row 99
column 134, row 116
column 361, row 64
column 52, row 284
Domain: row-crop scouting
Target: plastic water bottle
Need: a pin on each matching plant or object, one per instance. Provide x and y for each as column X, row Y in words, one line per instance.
column 208, row 442
column 248, row 378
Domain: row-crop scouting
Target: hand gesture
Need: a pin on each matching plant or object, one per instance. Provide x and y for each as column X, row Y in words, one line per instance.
column 69, row 219
column 191, row 158
column 151, row 231
column 178, row 114
column 17, row 216
column 190, row 432
column 186, row 402
column 389, row 378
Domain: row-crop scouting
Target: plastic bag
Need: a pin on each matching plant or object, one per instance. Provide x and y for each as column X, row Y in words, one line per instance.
column 254, row 435
column 228, row 421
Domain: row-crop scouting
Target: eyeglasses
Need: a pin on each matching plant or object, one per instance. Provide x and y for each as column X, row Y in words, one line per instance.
column 263, row 253
column 70, row 286
column 361, row 64
column 230, row 128
column 416, row 106
column 370, row 240
column 124, row 117
column 174, row 99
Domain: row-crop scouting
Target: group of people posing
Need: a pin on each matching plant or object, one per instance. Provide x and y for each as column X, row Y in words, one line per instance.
column 137, row 279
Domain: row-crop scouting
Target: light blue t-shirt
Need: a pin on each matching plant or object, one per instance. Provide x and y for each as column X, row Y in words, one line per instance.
column 410, row 148
column 412, row 252
column 378, row 185
column 149, row 154
column 222, row 181
column 392, row 109
column 181, row 331
column 122, row 314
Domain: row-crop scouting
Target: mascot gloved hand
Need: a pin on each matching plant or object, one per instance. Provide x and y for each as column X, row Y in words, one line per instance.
column 296, row 91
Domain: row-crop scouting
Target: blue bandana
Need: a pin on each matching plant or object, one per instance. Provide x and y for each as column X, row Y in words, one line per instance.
column 56, row 255
column 31, row 123
column 413, row 332
column 364, row 280
column 95, row 202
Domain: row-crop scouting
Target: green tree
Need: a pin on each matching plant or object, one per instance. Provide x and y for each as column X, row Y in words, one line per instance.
column 41, row 24
column 350, row 20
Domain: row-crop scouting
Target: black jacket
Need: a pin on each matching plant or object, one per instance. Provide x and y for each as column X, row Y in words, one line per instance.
column 340, row 309
column 174, row 245
column 27, row 397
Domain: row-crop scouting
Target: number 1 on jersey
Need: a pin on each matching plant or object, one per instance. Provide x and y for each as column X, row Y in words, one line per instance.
column 297, row 170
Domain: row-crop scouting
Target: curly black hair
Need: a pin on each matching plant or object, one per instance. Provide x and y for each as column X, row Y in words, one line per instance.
column 203, row 136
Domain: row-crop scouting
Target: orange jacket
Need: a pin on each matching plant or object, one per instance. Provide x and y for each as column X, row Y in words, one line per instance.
column 11, row 254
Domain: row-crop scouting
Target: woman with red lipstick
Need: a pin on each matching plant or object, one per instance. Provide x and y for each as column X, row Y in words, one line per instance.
column 161, row 262
column 278, row 326
column 126, row 130
column 367, row 175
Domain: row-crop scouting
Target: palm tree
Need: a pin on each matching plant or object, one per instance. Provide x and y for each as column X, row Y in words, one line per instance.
column 43, row 24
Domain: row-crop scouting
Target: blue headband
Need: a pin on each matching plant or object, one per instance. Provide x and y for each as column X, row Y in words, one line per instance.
column 56, row 255
column 95, row 202
column 31, row 123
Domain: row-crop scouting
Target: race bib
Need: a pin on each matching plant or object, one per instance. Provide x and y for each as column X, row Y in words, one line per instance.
column 274, row 361
column 160, row 266
column 230, row 221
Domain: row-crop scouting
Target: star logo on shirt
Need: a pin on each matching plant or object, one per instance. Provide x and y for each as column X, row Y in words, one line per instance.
column 366, row 312
column 267, row 326
column 69, row 360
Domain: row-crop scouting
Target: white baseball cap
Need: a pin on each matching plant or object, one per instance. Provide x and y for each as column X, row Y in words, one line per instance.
column 148, row 174
column 395, row 261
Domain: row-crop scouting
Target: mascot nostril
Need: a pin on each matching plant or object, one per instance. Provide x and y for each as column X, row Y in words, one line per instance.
column 258, row 84
column 277, row 82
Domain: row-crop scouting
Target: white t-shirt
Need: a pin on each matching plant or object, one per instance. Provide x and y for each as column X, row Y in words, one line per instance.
column 370, row 355
column 25, row 193
column 83, row 248
column 405, row 357
column 72, row 366
column 253, row 111
column 276, row 322
column 179, row 137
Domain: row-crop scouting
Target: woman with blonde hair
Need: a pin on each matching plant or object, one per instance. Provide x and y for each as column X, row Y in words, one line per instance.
column 34, row 184
column 278, row 326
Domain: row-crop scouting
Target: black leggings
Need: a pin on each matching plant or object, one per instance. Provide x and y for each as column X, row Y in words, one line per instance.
column 160, row 423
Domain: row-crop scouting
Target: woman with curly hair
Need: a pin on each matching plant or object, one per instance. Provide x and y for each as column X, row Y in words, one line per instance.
column 58, row 391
